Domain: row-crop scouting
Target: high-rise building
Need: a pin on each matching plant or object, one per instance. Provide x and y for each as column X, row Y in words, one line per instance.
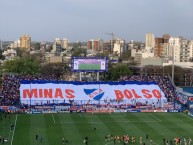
column 15, row 44
column 65, row 43
column 119, row 46
column 149, row 40
column 166, row 38
column 174, row 48
column 59, row 45
column 25, row 42
column 158, row 50
column 95, row 44
column 185, row 50
column 161, row 45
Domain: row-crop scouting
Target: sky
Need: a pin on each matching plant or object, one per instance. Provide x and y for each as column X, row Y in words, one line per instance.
column 81, row 20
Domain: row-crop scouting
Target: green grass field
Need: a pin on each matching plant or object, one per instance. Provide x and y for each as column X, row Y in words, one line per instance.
column 89, row 67
column 75, row 127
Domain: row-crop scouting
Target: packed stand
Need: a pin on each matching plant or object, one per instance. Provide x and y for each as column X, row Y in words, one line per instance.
column 11, row 84
column 163, row 81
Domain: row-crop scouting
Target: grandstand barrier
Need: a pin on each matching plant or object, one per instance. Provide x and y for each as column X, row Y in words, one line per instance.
column 83, row 109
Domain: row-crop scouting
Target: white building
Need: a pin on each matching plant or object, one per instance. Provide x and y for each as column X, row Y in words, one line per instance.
column 149, row 40
column 60, row 45
column 9, row 54
column 174, row 48
column 65, row 43
column 185, row 50
column 119, row 46
column 15, row 44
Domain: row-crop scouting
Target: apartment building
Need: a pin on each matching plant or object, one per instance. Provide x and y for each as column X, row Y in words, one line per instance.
column 95, row 44
column 149, row 40
column 25, row 42
column 119, row 46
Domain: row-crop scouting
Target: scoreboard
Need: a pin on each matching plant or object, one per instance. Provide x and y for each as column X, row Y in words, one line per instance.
column 89, row 64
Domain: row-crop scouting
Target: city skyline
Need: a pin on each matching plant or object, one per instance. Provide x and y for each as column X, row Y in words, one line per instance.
column 81, row 20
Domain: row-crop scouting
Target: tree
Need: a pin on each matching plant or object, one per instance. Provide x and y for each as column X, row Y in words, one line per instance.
column 21, row 66
column 79, row 52
column 126, row 55
column 38, row 57
column 179, row 73
column 22, row 52
column 37, row 46
column 61, row 70
column 19, row 51
column 117, row 70
column 1, row 56
column 103, row 54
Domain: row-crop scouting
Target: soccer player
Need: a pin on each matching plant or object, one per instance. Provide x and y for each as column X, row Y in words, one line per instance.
column 114, row 140
column 164, row 140
column 36, row 137
column 66, row 141
column 151, row 142
column 106, row 138
column 189, row 141
column 86, row 140
column 147, row 136
column 133, row 139
column 141, row 140
column 41, row 139
column 63, row 140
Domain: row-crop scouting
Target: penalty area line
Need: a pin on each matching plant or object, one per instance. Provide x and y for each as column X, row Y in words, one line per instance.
column 186, row 116
column 14, row 130
column 155, row 118
column 124, row 114
column 53, row 119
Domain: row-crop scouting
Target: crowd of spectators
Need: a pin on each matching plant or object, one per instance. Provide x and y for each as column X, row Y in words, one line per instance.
column 163, row 82
column 11, row 84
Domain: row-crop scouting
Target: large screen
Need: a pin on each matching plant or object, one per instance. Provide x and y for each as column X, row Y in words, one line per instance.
column 89, row 64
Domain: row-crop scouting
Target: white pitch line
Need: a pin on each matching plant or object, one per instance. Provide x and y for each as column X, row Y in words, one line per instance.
column 104, row 116
column 80, row 115
column 108, row 122
column 109, row 143
column 9, row 134
column 53, row 118
column 124, row 114
column 186, row 116
column 14, row 130
column 156, row 118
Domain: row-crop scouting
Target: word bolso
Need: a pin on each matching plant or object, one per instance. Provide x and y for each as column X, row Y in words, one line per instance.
column 132, row 94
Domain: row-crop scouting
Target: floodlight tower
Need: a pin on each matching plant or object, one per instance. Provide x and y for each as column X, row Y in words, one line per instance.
column 112, row 37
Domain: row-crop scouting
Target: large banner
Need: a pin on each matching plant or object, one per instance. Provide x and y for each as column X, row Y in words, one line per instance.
column 60, row 91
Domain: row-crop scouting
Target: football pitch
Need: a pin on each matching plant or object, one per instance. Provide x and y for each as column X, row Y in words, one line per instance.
column 76, row 126
column 89, row 67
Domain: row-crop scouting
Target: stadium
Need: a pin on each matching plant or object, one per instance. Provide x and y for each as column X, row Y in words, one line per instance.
column 137, row 109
